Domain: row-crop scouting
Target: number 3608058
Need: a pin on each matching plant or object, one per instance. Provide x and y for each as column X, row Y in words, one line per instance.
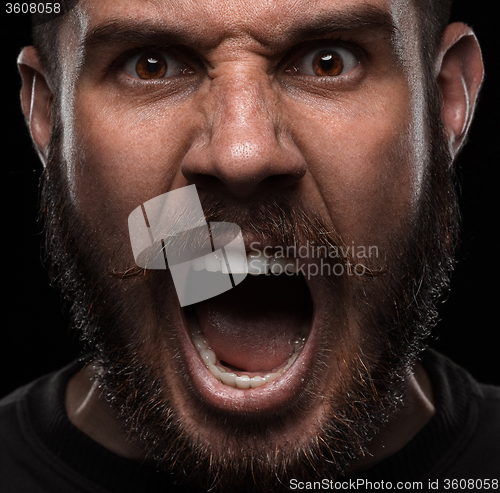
column 33, row 8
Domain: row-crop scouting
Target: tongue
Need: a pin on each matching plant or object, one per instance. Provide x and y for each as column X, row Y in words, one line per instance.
column 253, row 326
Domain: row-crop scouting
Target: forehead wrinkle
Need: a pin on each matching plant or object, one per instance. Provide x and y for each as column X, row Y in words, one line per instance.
column 363, row 17
column 272, row 34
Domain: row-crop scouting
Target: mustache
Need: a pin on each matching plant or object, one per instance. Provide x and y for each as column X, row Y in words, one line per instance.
column 280, row 220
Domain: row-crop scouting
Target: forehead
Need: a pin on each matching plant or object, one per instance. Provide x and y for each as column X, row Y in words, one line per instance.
column 266, row 22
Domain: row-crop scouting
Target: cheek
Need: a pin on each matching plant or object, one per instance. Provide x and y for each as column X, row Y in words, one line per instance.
column 363, row 162
column 120, row 159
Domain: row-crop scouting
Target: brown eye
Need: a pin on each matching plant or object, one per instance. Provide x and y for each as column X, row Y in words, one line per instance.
column 327, row 63
column 151, row 66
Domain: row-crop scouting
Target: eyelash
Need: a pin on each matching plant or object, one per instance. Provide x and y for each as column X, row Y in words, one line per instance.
column 326, row 43
column 289, row 59
column 119, row 62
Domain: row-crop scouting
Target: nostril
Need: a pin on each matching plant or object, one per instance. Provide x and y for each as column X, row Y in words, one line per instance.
column 281, row 181
column 206, row 182
column 244, row 189
column 246, row 176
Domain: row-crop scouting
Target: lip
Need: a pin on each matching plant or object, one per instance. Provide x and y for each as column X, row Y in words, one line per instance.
column 272, row 396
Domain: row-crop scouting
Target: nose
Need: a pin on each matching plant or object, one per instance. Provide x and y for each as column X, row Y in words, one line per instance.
column 244, row 147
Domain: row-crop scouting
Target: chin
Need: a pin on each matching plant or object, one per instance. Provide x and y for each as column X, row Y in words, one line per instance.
column 272, row 380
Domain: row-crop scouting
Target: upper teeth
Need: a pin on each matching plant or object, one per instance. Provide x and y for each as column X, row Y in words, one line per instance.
column 255, row 262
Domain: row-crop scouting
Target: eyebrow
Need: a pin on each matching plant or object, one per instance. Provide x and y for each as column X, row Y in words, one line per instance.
column 361, row 18
column 131, row 32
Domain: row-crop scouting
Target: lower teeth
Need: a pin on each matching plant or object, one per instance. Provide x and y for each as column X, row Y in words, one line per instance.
column 229, row 378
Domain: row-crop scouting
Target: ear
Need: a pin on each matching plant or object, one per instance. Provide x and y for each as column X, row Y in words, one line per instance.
column 460, row 73
column 36, row 99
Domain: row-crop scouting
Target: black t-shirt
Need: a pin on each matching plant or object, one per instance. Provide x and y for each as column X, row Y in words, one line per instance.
column 42, row 452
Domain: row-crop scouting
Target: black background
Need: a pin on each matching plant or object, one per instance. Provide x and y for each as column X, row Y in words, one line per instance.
column 35, row 335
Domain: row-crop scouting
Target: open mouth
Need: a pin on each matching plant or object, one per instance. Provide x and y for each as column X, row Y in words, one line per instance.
column 252, row 348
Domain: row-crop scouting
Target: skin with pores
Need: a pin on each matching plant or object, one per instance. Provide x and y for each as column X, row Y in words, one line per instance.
column 242, row 118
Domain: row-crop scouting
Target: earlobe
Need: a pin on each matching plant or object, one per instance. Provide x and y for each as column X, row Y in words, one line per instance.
column 36, row 99
column 460, row 73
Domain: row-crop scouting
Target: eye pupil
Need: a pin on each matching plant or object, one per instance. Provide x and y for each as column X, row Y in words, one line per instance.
column 151, row 66
column 327, row 63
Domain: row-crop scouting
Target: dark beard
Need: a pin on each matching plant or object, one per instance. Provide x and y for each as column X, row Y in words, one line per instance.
column 107, row 311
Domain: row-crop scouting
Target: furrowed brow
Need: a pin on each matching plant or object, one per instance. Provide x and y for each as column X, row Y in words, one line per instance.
column 364, row 18
column 360, row 18
column 131, row 32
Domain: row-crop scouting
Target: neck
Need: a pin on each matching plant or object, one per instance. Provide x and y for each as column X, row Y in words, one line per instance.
column 415, row 412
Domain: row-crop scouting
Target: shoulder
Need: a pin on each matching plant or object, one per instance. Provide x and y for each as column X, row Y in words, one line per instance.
column 482, row 454
column 473, row 411
column 26, row 463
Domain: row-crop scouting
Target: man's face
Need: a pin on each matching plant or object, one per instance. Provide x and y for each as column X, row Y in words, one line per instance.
column 246, row 108
column 305, row 115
